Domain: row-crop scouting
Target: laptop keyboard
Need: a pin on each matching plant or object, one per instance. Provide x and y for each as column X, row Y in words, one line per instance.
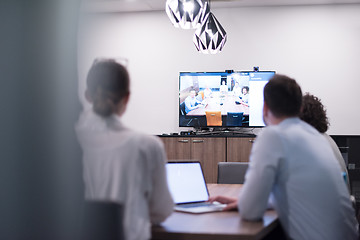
column 192, row 205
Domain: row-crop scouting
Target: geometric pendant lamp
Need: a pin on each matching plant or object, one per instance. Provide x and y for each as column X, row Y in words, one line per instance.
column 187, row 14
column 210, row 37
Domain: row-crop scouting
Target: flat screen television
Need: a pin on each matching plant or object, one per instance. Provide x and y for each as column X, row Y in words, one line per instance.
column 222, row 99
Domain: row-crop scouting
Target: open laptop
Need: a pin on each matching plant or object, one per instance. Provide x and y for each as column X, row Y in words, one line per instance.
column 188, row 188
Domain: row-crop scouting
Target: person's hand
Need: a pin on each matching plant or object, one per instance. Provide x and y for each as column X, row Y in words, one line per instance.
column 231, row 203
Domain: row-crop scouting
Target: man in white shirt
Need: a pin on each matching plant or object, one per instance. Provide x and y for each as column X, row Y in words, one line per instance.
column 237, row 90
column 290, row 162
column 191, row 102
column 223, row 88
column 207, row 92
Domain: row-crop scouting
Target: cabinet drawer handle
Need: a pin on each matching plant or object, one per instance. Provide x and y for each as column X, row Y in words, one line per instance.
column 252, row 140
column 344, row 147
column 183, row 141
column 198, row 141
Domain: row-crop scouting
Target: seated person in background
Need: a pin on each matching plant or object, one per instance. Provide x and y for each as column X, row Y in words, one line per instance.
column 237, row 90
column 207, row 92
column 200, row 96
column 290, row 161
column 223, row 88
column 245, row 95
column 191, row 102
column 314, row 113
column 121, row 165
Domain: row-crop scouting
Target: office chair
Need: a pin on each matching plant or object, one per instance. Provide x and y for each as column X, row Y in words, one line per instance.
column 187, row 120
column 213, row 118
column 102, row 221
column 232, row 172
column 182, row 114
column 182, row 109
column 234, row 119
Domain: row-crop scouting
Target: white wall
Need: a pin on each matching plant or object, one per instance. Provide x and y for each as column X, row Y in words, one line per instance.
column 319, row 46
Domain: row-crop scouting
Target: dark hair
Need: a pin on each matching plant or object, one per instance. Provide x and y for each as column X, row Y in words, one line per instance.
column 107, row 83
column 314, row 113
column 245, row 87
column 283, row 96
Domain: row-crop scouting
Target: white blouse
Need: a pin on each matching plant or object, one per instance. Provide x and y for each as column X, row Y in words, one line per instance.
column 127, row 167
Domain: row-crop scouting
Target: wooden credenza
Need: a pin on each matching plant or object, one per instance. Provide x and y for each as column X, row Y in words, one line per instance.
column 238, row 148
column 208, row 150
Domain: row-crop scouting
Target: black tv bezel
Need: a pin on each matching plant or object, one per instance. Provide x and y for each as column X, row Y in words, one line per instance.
column 227, row 72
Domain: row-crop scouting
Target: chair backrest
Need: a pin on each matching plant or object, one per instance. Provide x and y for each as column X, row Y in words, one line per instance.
column 102, row 220
column 232, row 172
column 182, row 109
column 213, row 118
column 234, row 119
column 201, row 93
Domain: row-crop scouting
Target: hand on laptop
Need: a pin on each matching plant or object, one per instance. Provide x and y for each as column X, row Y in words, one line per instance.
column 231, row 203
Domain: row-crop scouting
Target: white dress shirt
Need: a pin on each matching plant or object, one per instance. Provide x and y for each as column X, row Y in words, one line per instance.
column 237, row 91
column 190, row 103
column 296, row 164
column 339, row 157
column 207, row 93
column 127, row 167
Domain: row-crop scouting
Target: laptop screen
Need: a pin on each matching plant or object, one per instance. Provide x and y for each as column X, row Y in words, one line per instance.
column 186, row 182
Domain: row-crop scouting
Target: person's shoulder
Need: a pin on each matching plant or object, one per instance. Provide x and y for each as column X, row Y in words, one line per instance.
column 327, row 136
column 331, row 141
column 152, row 139
column 151, row 147
column 88, row 120
column 270, row 131
column 309, row 127
column 145, row 140
column 270, row 134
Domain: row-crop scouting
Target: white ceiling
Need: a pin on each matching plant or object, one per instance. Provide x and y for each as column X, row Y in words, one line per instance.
column 159, row 5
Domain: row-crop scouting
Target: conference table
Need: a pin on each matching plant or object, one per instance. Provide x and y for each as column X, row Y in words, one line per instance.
column 217, row 225
column 224, row 104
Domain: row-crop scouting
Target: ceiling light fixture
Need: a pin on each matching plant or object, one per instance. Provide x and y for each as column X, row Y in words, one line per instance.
column 210, row 37
column 187, row 14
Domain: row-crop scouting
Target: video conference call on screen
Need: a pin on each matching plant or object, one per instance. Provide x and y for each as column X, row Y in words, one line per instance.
column 222, row 99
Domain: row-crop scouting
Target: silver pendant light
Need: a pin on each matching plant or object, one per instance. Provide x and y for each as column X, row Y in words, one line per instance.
column 187, row 14
column 210, row 37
